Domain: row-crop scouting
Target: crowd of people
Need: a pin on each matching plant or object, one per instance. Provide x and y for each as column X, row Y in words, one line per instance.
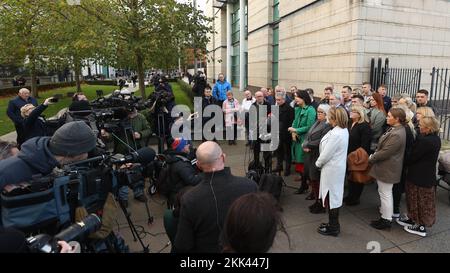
column 355, row 136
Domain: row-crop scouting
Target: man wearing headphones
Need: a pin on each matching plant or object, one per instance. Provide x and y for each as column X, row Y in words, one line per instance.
column 204, row 208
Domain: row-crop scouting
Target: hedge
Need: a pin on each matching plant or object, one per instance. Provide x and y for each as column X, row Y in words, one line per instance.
column 186, row 88
column 106, row 82
column 42, row 87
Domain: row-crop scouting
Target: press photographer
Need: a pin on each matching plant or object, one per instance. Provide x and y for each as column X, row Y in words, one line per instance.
column 159, row 106
column 33, row 123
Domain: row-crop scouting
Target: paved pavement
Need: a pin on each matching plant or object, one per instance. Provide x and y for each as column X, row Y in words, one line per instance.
column 356, row 234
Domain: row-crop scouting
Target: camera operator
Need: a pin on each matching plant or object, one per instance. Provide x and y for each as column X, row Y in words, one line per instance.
column 33, row 123
column 182, row 172
column 40, row 155
column 163, row 85
column 140, row 131
column 160, row 106
column 199, row 84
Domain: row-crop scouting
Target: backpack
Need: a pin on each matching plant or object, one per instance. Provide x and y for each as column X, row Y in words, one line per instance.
column 272, row 184
column 163, row 183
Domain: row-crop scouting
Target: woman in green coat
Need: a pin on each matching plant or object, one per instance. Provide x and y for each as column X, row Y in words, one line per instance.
column 305, row 116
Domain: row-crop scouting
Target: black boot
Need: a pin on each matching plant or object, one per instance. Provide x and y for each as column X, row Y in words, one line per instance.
column 304, row 185
column 355, row 190
column 381, row 224
column 332, row 228
column 318, row 209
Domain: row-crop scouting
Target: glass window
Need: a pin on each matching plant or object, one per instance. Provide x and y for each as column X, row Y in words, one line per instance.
column 275, row 51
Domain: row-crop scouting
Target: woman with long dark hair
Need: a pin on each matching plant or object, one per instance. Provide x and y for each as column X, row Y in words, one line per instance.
column 305, row 116
column 252, row 223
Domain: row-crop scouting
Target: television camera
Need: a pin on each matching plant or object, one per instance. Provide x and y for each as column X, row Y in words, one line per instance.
column 45, row 243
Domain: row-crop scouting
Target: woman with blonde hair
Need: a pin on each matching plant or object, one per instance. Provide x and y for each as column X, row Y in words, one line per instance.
column 423, row 111
column 406, row 100
column 332, row 162
column 421, row 179
column 399, row 188
column 359, row 137
column 33, row 123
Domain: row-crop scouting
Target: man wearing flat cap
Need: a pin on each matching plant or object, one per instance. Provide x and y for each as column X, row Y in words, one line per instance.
column 40, row 155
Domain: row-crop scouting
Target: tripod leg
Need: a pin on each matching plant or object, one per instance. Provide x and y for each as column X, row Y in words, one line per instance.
column 150, row 218
column 136, row 236
column 127, row 216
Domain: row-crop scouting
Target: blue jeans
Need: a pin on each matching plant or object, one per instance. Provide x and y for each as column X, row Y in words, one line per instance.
column 123, row 192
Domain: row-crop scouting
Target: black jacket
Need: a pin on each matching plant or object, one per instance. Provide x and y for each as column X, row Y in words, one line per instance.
column 255, row 126
column 182, row 172
column 14, row 106
column 34, row 125
column 33, row 158
column 286, row 117
column 360, row 136
column 200, row 222
column 206, row 102
column 422, row 161
column 199, row 86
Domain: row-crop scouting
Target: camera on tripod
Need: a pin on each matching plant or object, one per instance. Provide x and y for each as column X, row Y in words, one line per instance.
column 44, row 243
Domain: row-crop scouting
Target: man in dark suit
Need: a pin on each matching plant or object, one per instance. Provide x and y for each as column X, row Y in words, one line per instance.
column 13, row 111
column 285, row 119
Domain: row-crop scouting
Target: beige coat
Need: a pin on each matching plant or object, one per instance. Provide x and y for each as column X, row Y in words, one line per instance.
column 387, row 161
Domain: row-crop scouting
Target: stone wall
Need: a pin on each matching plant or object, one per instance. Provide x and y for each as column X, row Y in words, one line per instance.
column 332, row 41
column 413, row 34
column 217, row 58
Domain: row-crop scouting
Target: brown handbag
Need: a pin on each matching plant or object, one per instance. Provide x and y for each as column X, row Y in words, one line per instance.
column 358, row 166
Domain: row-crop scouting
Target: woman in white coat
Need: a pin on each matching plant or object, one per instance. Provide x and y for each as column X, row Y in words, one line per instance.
column 332, row 162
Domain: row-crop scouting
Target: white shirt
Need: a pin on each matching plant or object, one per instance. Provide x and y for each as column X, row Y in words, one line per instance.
column 246, row 104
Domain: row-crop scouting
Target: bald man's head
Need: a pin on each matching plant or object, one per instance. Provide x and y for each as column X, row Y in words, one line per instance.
column 208, row 155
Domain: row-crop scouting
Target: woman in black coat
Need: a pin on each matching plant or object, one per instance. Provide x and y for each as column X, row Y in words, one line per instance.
column 359, row 137
column 311, row 148
column 33, row 123
column 421, row 179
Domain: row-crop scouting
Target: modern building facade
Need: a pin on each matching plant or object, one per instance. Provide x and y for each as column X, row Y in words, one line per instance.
column 312, row 43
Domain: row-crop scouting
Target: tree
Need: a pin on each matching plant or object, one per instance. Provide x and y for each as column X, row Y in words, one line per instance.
column 150, row 31
column 25, row 27
column 78, row 39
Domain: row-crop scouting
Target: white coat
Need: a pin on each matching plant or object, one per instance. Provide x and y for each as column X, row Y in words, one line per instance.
column 332, row 161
